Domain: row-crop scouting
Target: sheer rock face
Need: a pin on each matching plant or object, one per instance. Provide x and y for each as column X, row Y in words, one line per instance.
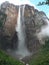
column 9, row 25
column 33, row 21
column 11, row 20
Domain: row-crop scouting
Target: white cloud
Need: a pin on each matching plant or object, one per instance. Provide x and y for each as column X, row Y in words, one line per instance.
column 20, row 2
column 17, row 2
column 44, row 30
column 48, row 14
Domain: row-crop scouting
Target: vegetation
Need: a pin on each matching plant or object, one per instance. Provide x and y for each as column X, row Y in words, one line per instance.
column 46, row 2
column 42, row 57
column 7, row 60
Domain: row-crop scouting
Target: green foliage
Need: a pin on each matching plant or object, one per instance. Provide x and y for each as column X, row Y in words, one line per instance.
column 46, row 2
column 41, row 3
column 7, row 60
column 42, row 57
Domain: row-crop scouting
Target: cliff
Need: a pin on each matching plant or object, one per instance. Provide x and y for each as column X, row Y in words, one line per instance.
column 33, row 21
column 11, row 12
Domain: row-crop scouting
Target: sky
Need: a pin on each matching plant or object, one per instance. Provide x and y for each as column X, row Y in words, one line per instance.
column 44, row 8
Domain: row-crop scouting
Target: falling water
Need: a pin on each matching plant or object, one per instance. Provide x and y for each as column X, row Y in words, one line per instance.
column 22, row 50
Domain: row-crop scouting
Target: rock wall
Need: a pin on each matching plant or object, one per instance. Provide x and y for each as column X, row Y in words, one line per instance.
column 11, row 20
column 33, row 21
column 9, row 31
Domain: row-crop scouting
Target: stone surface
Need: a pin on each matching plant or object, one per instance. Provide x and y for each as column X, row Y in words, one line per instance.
column 9, row 31
column 34, row 20
column 11, row 20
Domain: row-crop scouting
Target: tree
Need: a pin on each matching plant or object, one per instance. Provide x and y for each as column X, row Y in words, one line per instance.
column 46, row 2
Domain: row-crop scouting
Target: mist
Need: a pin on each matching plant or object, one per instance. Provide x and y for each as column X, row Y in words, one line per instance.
column 20, row 28
column 44, row 32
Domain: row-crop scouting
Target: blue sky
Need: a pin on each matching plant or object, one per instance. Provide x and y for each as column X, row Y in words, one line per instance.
column 44, row 8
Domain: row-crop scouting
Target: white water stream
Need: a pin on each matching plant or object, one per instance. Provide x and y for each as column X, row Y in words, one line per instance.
column 22, row 50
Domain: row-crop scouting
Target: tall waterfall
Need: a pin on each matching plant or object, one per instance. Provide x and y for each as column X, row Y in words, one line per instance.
column 22, row 50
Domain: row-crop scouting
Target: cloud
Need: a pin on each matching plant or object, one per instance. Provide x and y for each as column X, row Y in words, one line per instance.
column 20, row 2
column 48, row 14
column 17, row 2
column 44, row 30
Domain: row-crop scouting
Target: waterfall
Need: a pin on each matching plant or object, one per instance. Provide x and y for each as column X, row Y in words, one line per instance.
column 22, row 50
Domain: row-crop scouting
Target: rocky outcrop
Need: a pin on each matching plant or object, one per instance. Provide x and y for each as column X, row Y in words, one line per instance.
column 11, row 12
column 11, row 20
column 34, row 20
